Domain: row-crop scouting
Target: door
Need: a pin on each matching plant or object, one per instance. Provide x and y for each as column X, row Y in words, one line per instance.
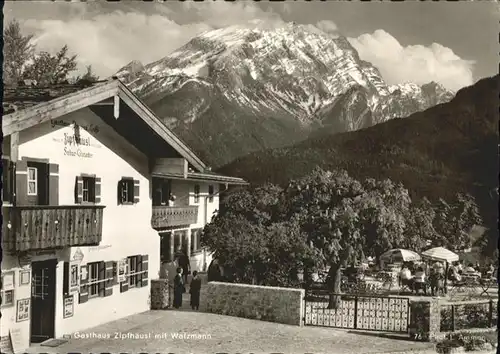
column 43, row 300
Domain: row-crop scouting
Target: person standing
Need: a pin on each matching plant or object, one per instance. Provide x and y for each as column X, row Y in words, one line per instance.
column 183, row 262
column 194, row 290
column 405, row 276
column 178, row 288
column 419, row 281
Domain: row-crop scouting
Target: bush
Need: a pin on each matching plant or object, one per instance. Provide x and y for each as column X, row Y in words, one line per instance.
column 473, row 341
column 467, row 316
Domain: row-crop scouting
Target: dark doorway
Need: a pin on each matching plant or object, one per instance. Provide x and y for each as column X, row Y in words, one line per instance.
column 43, row 300
column 38, row 183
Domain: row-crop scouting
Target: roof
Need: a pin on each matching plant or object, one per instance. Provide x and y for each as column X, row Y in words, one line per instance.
column 22, row 97
column 27, row 106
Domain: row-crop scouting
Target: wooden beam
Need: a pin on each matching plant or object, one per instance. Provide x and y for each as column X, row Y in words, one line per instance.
column 41, row 113
column 104, row 103
column 14, row 146
column 116, row 111
column 154, row 122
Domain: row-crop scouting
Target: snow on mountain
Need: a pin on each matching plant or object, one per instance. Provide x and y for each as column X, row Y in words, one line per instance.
column 249, row 89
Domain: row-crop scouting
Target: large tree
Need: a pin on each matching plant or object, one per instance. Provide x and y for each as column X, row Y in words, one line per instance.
column 18, row 50
column 327, row 220
column 253, row 242
column 346, row 219
column 22, row 62
column 454, row 221
column 48, row 69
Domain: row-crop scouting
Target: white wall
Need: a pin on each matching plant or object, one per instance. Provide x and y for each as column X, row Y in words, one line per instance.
column 126, row 229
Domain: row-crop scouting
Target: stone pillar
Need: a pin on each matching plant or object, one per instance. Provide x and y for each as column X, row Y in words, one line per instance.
column 172, row 251
column 425, row 320
column 435, row 320
column 160, row 296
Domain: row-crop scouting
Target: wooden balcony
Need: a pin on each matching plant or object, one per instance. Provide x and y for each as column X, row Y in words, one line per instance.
column 165, row 217
column 27, row 228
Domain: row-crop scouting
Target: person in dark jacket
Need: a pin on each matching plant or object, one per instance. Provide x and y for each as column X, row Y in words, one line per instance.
column 178, row 288
column 194, row 290
column 183, row 262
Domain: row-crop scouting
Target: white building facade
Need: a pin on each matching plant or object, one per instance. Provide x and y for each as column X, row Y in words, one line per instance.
column 80, row 237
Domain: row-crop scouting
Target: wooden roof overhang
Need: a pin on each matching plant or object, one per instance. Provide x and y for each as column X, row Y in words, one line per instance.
column 118, row 107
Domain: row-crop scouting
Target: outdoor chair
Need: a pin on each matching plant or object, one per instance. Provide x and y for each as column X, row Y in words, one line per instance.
column 417, row 286
column 405, row 285
column 486, row 284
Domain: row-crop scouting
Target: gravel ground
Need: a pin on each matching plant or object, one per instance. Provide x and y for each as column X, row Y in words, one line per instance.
column 212, row 333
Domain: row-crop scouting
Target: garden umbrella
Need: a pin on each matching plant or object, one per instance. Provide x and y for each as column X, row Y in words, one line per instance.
column 399, row 254
column 440, row 254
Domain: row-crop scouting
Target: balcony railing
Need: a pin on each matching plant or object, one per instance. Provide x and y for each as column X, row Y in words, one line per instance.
column 167, row 217
column 28, row 228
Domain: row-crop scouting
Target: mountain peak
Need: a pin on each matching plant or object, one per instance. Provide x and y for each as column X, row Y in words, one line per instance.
column 269, row 87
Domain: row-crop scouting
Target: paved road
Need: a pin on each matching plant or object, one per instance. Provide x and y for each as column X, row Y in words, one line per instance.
column 184, row 331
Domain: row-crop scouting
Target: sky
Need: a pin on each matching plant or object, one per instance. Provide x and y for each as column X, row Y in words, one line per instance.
column 453, row 43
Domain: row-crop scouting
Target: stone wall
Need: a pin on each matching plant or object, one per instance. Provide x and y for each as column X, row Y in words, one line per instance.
column 426, row 319
column 273, row 304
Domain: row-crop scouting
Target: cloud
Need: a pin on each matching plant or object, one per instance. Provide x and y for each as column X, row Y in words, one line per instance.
column 414, row 63
column 108, row 41
column 327, row 26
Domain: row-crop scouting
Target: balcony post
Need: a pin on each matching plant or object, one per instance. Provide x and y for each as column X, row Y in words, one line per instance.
column 188, row 251
column 171, row 251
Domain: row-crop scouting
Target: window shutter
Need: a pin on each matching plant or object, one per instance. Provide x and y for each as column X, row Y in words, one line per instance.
column 115, row 273
column 138, row 269
column 7, row 180
column 108, row 289
column 119, row 192
column 53, row 184
column 101, row 276
column 84, row 291
column 97, row 190
column 22, row 182
column 145, row 276
column 78, row 190
column 66, row 279
column 136, row 191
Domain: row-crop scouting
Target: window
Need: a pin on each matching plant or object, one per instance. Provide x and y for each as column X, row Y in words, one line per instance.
column 32, row 181
column 7, row 298
column 94, row 279
column 197, row 193
column 134, row 274
column 210, row 193
column 126, row 190
column 196, row 240
column 88, row 190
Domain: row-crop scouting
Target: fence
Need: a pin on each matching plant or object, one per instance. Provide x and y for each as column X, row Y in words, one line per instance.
column 462, row 315
column 363, row 312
